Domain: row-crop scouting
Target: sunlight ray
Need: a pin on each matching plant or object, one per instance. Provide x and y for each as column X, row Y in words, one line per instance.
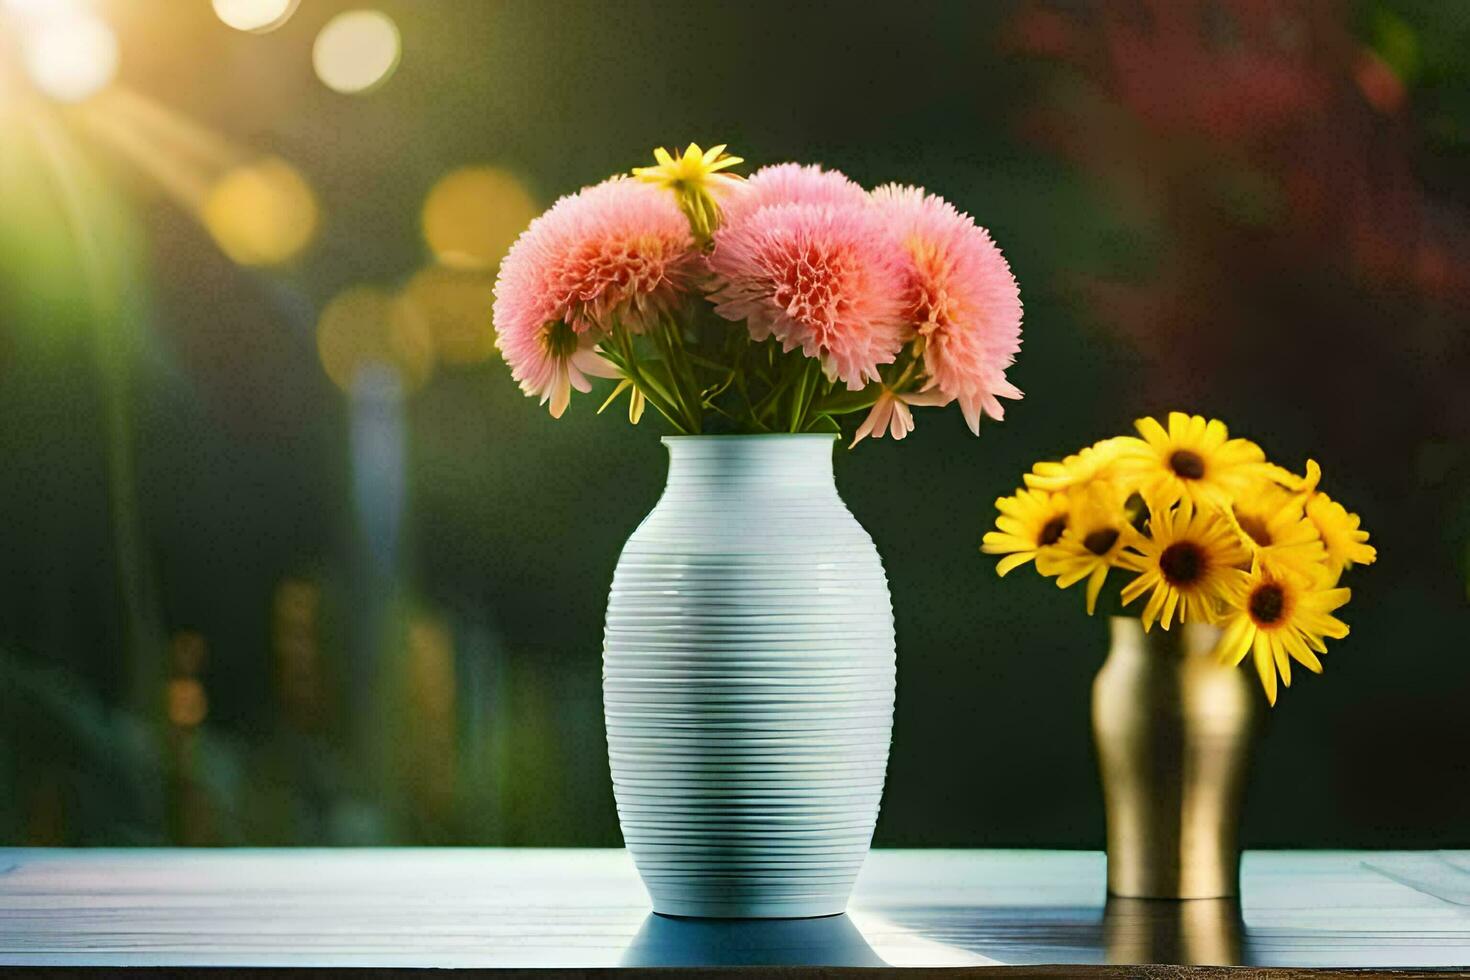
column 260, row 210
column 182, row 179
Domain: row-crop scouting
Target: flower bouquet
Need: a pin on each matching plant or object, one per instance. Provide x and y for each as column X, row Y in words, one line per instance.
column 1211, row 531
column 748, row 658
column 777, row 303
column 1246, row 558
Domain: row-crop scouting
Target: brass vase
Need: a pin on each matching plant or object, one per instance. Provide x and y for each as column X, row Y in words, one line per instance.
column 1174, row 731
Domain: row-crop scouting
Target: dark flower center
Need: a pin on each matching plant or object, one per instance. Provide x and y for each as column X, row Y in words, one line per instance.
column 1256, row 528
column 1182, row 563
column 1101, row 542
column 1187, row 464
column 1267, row 604
column 1052, row 530
column 559, row 340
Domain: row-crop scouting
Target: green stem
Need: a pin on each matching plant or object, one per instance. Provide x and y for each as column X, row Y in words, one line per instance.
column 677, row 397
column 749, row 406
column 680, row 372
column 772, row 400
column 653, row 393
column 820, row 391
column 705, row 362
column 720, row 411
column 806, row 389
column 903, row 379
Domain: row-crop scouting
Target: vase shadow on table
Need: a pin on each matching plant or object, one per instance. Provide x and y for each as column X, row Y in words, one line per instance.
column 831, row 940
column 1191, row 932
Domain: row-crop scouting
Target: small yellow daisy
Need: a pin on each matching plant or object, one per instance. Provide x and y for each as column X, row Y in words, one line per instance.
column 1273, row 526
column 1030, row 522
column 695, row 179
column 1341, row 531
column 1279, row 618
column 1093, row 542
column 1190, row 561
column 1089, row 464
column 1291, row 481
column 1193, row 459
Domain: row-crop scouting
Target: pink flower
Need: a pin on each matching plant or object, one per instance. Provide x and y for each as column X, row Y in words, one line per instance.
column 961, row 298
column 619, row 251
column 552, row 360
column 891, row 412
column 790, row 183
column 824, row 278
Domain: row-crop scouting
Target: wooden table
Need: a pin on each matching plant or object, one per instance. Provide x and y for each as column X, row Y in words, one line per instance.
column 578, row 909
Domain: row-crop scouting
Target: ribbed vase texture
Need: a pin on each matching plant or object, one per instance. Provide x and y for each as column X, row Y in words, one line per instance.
column 748, row 683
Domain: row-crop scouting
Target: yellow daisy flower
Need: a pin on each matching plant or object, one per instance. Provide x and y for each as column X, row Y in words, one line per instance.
column 1030, row 522
column 1194, row 459
column 1279, row 618
column 1293, row 482
column 1346, row 541
column 1190, row 561
column 1089, row 464
column 695, row 179
column 1093, row 542
column 1273, row 526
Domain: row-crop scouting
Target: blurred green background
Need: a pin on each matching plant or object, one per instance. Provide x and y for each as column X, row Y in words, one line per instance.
column 287, row 558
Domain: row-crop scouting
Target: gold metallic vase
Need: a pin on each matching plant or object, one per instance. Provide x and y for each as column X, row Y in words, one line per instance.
column 1174, row 731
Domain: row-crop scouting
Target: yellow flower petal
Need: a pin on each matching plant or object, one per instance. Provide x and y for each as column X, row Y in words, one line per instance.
column 1011, row 562
column 1094, row 586
column 1265, row 666
column 1283, row 662
column 1152, row 432
column 1236, row 640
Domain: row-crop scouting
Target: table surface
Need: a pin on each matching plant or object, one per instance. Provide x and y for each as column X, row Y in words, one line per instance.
column 587, row 909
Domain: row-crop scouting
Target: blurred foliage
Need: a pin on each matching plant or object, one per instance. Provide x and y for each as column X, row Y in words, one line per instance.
column 243, row 605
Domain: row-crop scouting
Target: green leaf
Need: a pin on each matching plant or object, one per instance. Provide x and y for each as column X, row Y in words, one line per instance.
column 843, row 402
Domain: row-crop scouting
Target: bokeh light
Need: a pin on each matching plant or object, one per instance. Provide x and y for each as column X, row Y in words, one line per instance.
column 188, row 705
column 356, row 51
column 36, row 9
column 473, row 215
column 299, row 676
column 454, row 306
column 256, row 16
column 70, row 56
column 263, row 213
column 364, row 326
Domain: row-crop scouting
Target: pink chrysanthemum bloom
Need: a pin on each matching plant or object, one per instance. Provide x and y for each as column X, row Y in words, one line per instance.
column 823, row 278
column 791, row 183
column 617, row 253
column 961, row 298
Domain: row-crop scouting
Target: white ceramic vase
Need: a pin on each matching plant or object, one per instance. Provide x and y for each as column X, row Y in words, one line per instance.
column 748, row 682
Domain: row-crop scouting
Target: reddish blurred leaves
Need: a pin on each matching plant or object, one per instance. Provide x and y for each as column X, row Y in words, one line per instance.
column 1270, row 160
